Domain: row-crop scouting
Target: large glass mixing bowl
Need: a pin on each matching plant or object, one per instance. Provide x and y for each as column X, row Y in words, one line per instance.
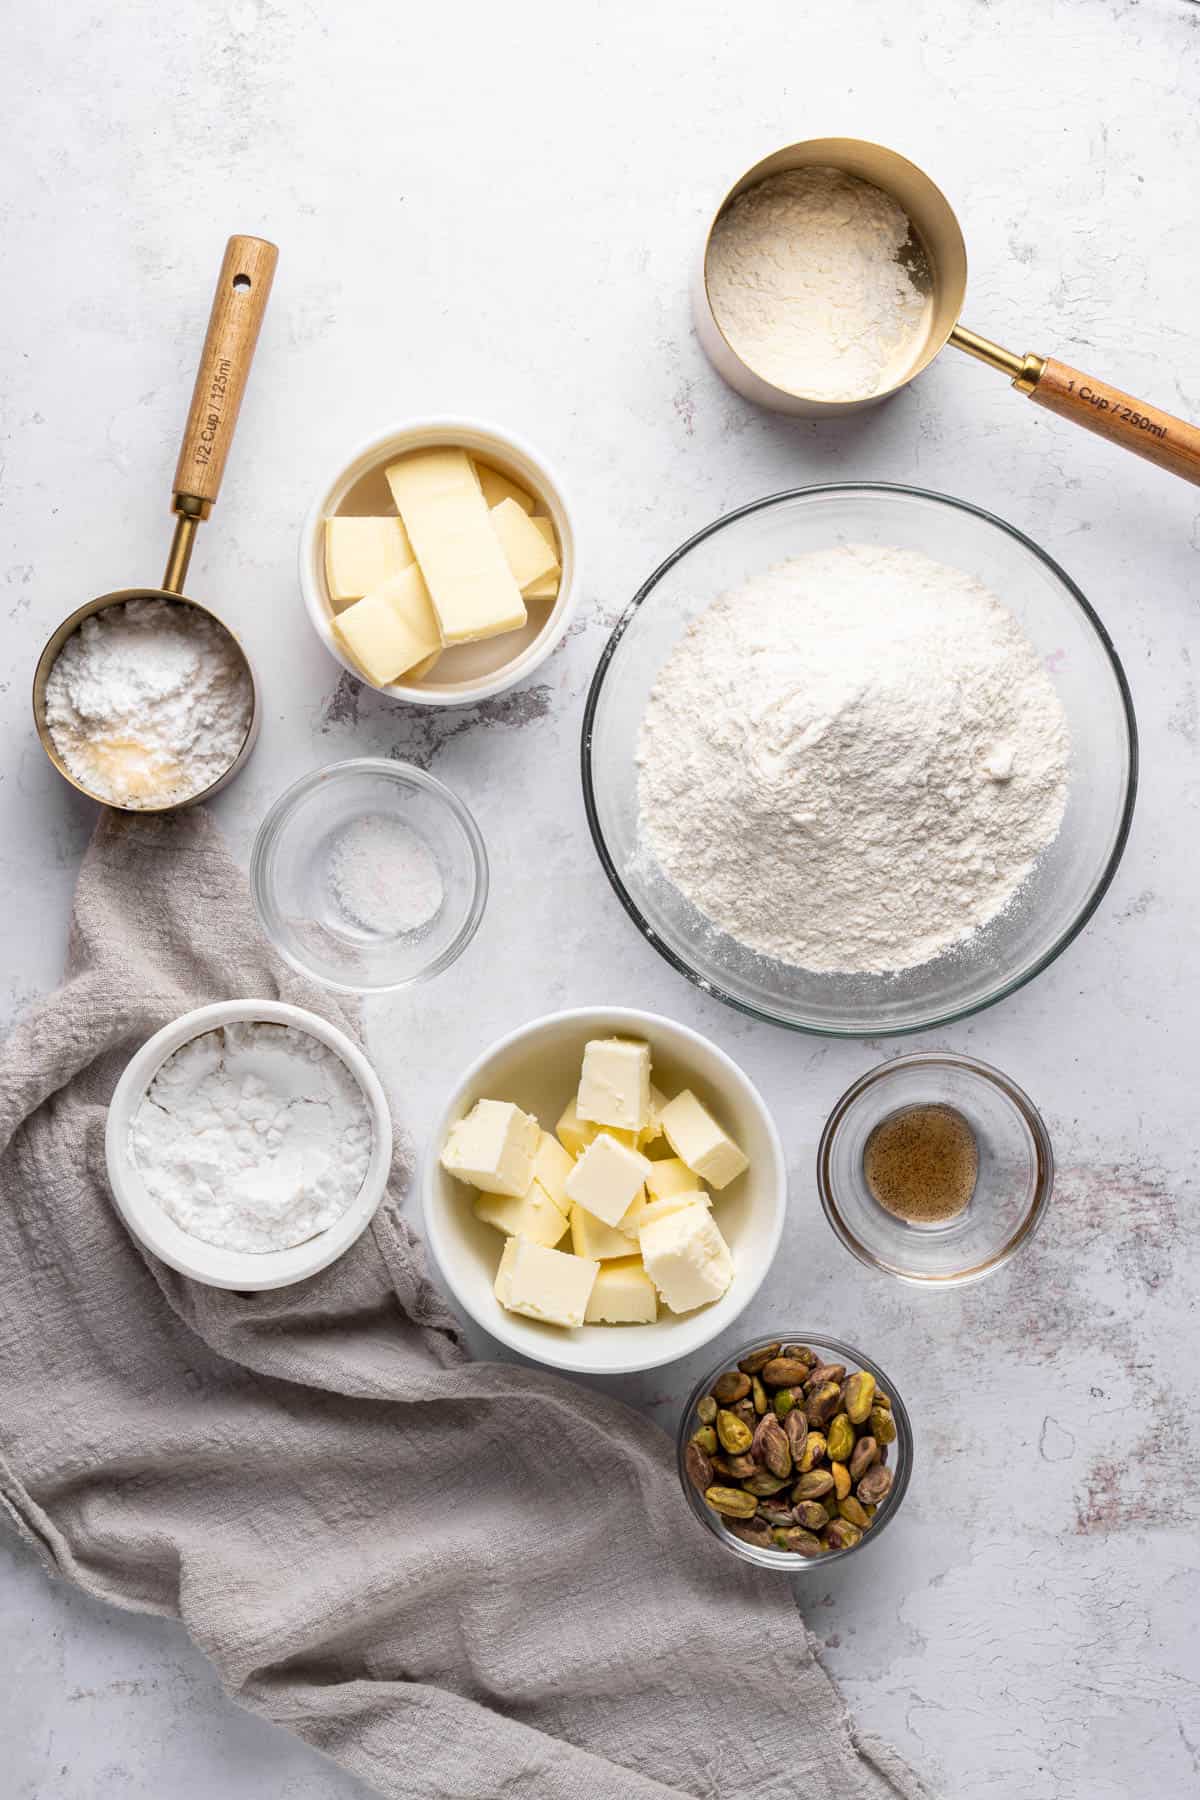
column 1069, row 878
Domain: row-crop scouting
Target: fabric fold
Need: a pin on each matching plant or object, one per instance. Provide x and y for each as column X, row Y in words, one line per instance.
column 461, row 1580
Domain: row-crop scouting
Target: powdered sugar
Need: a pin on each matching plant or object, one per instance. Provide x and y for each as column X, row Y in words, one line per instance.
column 385, row 878
column 148, row 703
column 853, row 761
column 818, row 284
column 253, row 1137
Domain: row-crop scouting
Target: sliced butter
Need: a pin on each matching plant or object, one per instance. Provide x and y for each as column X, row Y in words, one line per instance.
column 438, row 497
column 392, row 628
column 497, row 487
column 361, row 554
column 530, row 557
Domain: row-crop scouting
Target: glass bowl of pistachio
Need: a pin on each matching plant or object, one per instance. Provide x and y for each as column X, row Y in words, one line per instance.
column 795, row 1450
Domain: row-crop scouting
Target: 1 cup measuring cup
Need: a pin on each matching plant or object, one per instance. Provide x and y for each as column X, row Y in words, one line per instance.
column 243, row 288
column 1085, row 400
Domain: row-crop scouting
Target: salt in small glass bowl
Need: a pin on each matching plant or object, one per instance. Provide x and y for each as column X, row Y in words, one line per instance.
column 900, row 1454
column 1012, row 1188
column 306, row 917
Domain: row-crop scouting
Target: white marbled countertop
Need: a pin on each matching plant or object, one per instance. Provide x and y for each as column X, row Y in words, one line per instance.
column 494, row 211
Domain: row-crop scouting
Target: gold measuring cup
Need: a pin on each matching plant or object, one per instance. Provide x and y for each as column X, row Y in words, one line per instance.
column 1083, row 399
column 243, row 288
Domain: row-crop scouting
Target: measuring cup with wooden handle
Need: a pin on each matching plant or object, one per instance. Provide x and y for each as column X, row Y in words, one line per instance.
column 243, row 288
column 938, row 248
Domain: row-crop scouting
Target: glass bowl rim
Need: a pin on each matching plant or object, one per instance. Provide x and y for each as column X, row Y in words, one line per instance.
column 706, row 983
column 1034, row 1124
column 280, row 811
column 785, row 1560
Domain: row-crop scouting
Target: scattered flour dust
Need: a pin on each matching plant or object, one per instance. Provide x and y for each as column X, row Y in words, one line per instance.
column 853, row 761
column 148, row 703
column 384, row 876
column 819, row 285
column 253, row 1137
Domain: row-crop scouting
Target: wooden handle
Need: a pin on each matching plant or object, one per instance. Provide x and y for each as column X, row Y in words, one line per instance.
column 243, row 289
column 1171, row 443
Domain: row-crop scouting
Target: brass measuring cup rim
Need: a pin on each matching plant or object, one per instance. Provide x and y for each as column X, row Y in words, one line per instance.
column 933, row 222
column 67, row 629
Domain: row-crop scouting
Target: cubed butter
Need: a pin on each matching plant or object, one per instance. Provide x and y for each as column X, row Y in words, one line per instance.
column 530, row 557
column 695, row 1136
column 614, row 1085
column 591, row 1237
column 392, row 629
column 652, row 1130
column 574, row 1133
column 686, row 1258
column 493, row 1148
column 670, row 1175
column 545, row 1284
column 361, row 554
column 623, row 1294
column 438, row 497
column 551, row 1166
column 533, row 1216
column 646, row 1207
column 497, row 487
column 606, row 1179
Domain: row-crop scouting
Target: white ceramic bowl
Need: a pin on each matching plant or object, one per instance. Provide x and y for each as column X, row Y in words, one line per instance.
column 469, row 672
column 537, row 1066
column 240, row 1270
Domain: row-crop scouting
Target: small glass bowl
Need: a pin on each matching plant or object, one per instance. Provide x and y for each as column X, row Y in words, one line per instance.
column 1012, row 1188
column 301, row 855
column 900, row 1454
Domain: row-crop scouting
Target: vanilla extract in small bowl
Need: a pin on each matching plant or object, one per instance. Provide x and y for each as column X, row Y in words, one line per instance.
column 935, row 1168
column 922, row 1163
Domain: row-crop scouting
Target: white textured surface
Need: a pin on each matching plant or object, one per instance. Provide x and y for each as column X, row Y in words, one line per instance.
column 494, row 210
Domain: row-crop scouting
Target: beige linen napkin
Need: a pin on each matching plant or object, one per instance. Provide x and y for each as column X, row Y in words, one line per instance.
column 462, row 1580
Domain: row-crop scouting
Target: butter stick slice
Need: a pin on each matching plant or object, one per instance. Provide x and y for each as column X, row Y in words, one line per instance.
column 497, row 487
column 360, row 553
column 529, row 555
column 438, row 497
column 391, row 630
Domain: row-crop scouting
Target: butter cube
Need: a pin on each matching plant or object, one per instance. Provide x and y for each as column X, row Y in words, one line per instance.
column 530, row 557
column 497, row 487
column 574, row 1133
column 590, row 1237
column 694, row 1135
column 623, row 1295
column 614, row 1086
column 686, row 1258
column 361, row 554
column 551, row 1166
column 670, row 1175
column 392, row 629
column 543, row 1283
column 493, row 1148
column 652, row 1130
column 607, row 1178
column 645, row 1209
column 438, row 497
column 534, row 1216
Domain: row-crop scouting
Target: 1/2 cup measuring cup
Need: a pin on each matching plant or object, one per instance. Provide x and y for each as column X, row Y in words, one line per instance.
column 1085, row 400
column 243, row 288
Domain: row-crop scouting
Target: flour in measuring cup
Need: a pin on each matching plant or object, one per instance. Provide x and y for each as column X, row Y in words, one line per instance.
column 253, row 1137
column 818, row 284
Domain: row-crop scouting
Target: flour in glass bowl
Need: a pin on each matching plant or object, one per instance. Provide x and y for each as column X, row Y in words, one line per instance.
column 253, row 1137
column 853, row 761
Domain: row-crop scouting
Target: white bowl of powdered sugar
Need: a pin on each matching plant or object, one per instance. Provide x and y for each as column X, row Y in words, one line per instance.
column 248, row 1144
